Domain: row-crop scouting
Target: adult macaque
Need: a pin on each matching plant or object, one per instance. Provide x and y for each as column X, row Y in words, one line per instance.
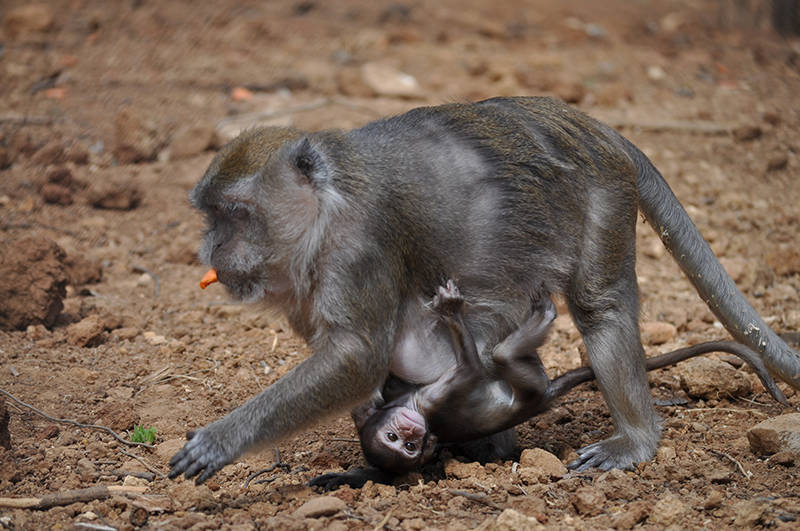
column 348, row 233
column 468, row 402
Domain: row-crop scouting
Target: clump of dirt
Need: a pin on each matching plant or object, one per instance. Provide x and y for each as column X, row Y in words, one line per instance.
column 33, row 279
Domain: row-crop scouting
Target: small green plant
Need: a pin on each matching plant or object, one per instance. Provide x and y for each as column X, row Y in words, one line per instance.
column 143, row 435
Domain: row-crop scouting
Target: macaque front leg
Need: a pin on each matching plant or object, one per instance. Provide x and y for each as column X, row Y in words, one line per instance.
column 324, row 383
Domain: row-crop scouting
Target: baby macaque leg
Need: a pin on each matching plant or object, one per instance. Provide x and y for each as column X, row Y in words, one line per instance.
column 517, row 360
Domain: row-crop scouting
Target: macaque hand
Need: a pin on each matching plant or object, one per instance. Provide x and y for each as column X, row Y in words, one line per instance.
column 202, row 456
column 448, row 300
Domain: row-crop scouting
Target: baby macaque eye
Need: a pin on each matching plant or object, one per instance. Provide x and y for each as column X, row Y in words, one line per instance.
column 410, row 446
column 391, row 436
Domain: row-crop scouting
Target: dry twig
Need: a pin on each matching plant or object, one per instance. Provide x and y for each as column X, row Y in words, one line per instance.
column 278, row 463
column 480, row 498
column 67, row 497
column 75, row 422
column 144, row 463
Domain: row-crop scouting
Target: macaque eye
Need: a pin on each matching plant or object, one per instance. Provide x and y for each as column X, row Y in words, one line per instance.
column 391, row 436
column 410, row 446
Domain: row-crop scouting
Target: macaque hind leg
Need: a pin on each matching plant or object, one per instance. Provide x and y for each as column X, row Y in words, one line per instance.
column 608, row 321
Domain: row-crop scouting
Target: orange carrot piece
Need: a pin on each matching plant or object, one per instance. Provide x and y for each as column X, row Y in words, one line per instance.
column 209, row 278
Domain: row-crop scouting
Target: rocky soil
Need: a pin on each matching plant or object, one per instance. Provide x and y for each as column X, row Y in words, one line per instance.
column 110, row 112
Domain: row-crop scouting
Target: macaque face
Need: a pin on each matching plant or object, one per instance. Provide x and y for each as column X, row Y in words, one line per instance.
column 259, row 209
column 404, row 432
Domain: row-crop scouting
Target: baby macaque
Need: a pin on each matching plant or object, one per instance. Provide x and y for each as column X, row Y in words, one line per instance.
column 468, row 402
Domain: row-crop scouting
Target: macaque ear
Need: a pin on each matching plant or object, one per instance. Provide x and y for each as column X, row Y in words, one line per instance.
column 309, row 163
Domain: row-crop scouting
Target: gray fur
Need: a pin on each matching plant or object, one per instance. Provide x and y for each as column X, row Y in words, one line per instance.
column 513, row 198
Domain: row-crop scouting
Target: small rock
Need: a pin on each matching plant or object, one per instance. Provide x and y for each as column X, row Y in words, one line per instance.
column 616, row 485
column 748, row 513
column 778, row 434
column 136, row 139
column 186, row 495
column 718, row 475
column 746, row 133
column 50, row 153
column 56, row 194
column 589, row 501
column 710, row 378
column 27, row 19
column 785, row 458
column 36, row 332
column 570, row 92
column 667, row 511
column 459, row 470
column 656, row 73
column 82, row 270
column 777, row 162
column 33, row 282
column 657, row 332
column 511, row 520
column 118, row 416
column 632, row 514
column 88, row 332
column 541, row 463
column 190, row 142
column 153, row 338
column 665, row 454
column 385, row 80
column 321, row 506
column 125, row 333
column 114, row 196
column 86, row 469
column 714, row 500
column 61, row 175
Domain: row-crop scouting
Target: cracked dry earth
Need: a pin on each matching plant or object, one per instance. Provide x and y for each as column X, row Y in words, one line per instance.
column 110, row 112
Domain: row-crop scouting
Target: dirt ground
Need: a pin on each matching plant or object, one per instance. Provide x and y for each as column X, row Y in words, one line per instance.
column 110, row 112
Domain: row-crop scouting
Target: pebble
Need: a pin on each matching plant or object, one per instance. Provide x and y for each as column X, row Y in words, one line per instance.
column 710, row 378
column 746, row 133
column 385, row 80
column 778, row 434
column 535, row 463
column 668, row 510
column 88, row 332
column 459, row 470
column 511, row 520
column 589, row 501
column 29, row 18
column 657, row 332
column 189, row 142
column 321, row 506
column 616, row 485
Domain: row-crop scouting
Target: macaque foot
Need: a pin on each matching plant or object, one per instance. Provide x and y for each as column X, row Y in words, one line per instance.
column 448, row 299
column 618, row 451
column 202, row 456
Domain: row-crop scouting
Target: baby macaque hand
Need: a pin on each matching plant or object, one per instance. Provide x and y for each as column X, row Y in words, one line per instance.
column 448, row 301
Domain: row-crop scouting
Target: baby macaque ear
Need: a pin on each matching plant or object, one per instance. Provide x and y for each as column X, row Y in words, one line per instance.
column 309, row 163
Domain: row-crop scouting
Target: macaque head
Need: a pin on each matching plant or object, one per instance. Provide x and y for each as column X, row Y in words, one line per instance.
column 396, row 439
column 266, row 197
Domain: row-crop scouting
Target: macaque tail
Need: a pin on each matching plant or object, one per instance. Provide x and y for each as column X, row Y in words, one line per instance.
column 687, row 246
column 567, row 381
